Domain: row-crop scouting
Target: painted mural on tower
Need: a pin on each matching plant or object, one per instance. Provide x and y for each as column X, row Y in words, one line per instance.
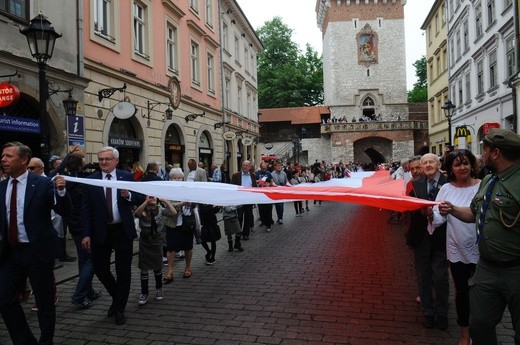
column 367, row 46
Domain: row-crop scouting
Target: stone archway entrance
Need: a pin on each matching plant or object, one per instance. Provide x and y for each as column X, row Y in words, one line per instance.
column 373, row 150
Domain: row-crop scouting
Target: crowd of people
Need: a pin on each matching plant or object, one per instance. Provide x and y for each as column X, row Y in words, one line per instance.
column 473, row 231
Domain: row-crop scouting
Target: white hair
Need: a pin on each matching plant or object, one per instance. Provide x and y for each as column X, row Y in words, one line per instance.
column 115, row 152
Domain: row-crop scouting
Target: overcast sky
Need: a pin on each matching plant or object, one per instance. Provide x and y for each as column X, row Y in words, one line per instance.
column 300, row 16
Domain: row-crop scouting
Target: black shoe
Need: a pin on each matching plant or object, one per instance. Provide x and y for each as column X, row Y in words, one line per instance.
column 245, row 238
column 120, row 318
column 95, row 294
column 111, row 310
column 428, row 321
column 67, row 258
column 84, row 303
column 442, row 323
column 230, row 249
column 238, row 246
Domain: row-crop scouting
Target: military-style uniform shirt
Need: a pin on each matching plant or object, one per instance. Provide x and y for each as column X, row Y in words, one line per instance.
column 500, row 240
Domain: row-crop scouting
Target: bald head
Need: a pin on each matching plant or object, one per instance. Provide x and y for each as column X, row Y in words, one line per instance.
column 430, row 165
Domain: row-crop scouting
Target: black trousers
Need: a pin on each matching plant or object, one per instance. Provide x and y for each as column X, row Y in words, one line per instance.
column 118, row 241
column 245, row 218
column 266, row 214
column 13, row 273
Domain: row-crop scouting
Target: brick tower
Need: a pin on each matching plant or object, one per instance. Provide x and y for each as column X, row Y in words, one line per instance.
column 364, row 58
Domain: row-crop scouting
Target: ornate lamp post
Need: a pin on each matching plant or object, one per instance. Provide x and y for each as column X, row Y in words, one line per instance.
column 41, row 38
column 448, row 112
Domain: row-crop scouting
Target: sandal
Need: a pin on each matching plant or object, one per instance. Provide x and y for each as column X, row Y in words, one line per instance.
column 187, row 273
column 168, row 278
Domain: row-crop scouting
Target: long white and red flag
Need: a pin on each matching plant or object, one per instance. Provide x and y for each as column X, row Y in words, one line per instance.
column 375, row 189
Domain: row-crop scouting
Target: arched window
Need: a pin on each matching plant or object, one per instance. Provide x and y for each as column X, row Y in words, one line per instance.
column 368, row 102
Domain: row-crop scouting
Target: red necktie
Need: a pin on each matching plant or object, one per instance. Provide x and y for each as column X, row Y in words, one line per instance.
column 12, row 236
column 108, row 196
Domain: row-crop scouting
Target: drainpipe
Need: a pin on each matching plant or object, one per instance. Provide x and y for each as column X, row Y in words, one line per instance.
column 79, row 38
column 224, row 115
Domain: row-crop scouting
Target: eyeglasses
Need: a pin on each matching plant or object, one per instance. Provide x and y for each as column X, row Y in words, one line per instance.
column 32, row 168
column 105, row 159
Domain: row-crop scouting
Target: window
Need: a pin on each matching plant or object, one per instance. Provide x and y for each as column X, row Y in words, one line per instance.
column 490, row 11
column 103, row 17
column 465, row 33
column 452, row 52
column 209, row 12
column 211, row 73
column 457, row 44
column 140, row 29
column 493, row 69
column 171, row 48
column 239, row 99
column 368, row 102
column 478, row 20
column 227, row 94
column 436, row 23
column 252, row 62
column 225, row 31
column 460, row 93
column 480, row 77
column 430, row 67
column 237, row 49
column 510, row 55
column 429, row 33
column 443, row 14
column 249, row 108
column 18, row 8
column 195, row 77
column 468, row 87
column 438, row 65
column 194, row 5
column 246, row 60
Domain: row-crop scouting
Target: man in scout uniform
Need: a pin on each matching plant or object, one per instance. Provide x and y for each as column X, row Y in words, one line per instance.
column 496, row 211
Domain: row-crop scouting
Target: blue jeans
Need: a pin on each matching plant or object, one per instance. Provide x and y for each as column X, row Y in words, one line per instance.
column 279, row 210
column 85, row 272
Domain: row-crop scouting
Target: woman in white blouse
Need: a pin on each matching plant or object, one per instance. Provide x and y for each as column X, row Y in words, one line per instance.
column 461, row 238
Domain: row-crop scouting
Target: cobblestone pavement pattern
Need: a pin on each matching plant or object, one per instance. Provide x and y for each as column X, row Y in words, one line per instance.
column 338, row 275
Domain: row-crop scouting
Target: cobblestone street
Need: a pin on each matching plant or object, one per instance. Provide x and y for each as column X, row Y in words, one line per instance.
column 338, row 275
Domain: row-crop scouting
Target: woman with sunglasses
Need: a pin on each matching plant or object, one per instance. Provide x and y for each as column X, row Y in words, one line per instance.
column 461, row 239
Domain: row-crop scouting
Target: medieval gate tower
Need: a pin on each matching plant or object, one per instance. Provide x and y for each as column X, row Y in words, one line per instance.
column 364, row 70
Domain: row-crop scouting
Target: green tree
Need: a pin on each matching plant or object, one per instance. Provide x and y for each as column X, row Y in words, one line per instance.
column 287, row 78
column 419, row 92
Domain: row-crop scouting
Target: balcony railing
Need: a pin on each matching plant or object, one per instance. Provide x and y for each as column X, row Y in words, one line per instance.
column 373, row 126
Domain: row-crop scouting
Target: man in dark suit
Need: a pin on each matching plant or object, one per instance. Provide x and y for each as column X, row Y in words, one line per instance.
column 108, row 222
column 245, row 178
column 28, row 242
column 431, row 264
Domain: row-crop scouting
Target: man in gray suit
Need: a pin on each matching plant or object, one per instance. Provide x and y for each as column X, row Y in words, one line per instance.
column 195, row 173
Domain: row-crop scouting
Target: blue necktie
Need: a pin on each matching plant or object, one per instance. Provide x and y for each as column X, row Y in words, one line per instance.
column 485, row 206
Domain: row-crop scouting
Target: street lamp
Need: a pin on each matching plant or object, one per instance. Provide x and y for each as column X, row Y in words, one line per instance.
column 41, row 38
column 448, row 112
column 70, row 105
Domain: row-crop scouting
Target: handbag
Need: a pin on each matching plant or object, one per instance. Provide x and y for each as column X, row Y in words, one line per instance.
column 188, row 222
column 210, row 233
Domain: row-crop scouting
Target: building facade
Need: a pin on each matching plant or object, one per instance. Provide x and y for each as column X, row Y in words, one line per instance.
column 365, row 79
column 146, row 58
column 43, row 127
column 437, row 72
column 482, row 59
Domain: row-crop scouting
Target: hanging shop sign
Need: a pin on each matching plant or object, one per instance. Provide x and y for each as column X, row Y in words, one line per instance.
column 229, row 135
column 124, row 110
column 9, row 94
column 247, row 141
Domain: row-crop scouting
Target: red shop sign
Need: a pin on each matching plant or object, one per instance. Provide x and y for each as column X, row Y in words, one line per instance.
column 8, row 94
column 489, row 126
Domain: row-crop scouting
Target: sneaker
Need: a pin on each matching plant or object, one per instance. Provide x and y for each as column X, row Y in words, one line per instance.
column 143, row 298
column 268, row 229
column 159, row 294
column 210, row 262
column 279, row 221
column 84, row 303
column 308, row 209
